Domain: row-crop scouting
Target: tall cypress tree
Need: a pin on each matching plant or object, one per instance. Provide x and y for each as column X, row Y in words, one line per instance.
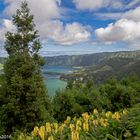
column 24, row 100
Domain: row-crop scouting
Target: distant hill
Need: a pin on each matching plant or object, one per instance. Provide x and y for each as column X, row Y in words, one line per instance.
column 118, row 68
column 89, row 59
column 92, row 59
column 101, row 66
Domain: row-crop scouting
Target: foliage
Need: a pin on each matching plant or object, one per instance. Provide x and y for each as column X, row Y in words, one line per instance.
column 82, row 96
column 133, row 120
column 119, row 95
column 24, row 101
column 25, row 104
column 93, row 126
column 76, row 99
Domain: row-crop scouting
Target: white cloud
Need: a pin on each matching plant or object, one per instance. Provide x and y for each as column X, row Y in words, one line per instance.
column 126, row 28
column 6, row 26
column 132, row 3
column 132, row 14
column 104, row 16
column 96, row 4
column 42, row 9
column 123, row 30
column 64, row 34
column 47, row 14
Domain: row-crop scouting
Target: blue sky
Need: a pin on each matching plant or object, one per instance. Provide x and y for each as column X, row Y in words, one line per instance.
column 79, row 26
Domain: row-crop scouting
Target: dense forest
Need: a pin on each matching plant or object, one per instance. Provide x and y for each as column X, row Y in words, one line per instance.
column 101, row 103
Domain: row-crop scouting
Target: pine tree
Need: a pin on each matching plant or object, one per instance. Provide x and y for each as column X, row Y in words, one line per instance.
column 24, row 99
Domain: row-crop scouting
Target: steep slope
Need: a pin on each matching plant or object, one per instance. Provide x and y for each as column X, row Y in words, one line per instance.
column 91, row 59
column 113, row 67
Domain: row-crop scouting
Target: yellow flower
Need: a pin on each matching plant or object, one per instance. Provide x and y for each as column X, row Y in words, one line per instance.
column 35, row 131
column 55, row 127
column 78, row 128
column 95, row 112
column 50, row 138
column 78, row 125
column 67, row 120
column 79, row 122
column 85, row 126
column 103, row 122
column 77, row 135
column 48, row 127
column 72, row 127
column 21, row 137
column 95, row 122
column 41, row 132
column 108, row 114
column 125, row 112
column 116, row 116
column 85, row 116
column 74, row 135
column 61, row 128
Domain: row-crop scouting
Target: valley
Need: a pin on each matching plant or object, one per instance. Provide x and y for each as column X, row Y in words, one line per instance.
column 100, row 67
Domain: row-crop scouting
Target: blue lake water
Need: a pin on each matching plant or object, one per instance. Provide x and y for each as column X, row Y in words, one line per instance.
column 59, row 69
column 53, row 82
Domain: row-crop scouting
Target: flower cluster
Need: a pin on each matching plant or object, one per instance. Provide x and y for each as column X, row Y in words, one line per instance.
column 76, row 128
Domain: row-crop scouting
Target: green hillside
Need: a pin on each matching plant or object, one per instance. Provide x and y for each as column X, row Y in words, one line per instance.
column 112, row 67
column 100, row 66
column 92, row 59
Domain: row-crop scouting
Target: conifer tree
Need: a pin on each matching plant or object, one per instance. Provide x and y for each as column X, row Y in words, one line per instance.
column 24, row 99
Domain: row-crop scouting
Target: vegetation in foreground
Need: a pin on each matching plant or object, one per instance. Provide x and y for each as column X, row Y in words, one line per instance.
column 80, row 97
column 74, row 118
column 25, row 106
column 23, row 96
column 122, row 125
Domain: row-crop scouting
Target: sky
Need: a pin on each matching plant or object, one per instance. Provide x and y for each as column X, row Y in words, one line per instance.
column 79, row 26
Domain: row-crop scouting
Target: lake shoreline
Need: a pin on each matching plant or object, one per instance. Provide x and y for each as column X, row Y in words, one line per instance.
column 52, row 77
